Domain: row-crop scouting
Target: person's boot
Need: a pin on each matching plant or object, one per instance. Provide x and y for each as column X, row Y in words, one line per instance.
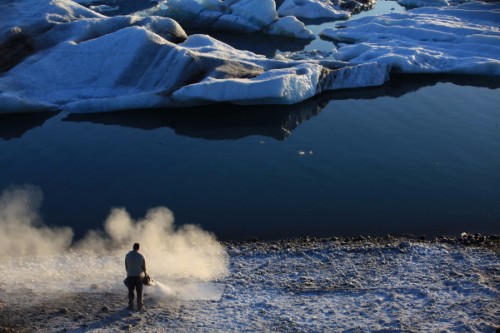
column 130, row 306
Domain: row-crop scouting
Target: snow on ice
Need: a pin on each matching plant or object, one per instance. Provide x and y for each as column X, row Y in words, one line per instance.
column 60, row 55
column 95, row 63
column 461, row 39
column 234, row 15
column 423, row 3
column 312, row 9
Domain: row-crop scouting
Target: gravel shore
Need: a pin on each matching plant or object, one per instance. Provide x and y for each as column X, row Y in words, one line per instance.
column 362, row 284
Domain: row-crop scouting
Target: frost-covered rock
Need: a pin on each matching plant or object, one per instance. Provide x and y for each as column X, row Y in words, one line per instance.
column 312, row 9
column 242, row 16
column 460, row 39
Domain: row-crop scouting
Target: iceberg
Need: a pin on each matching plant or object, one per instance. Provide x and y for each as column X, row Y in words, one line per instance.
column 242, row 16
column 104, row 8
column 58, row 55
column 103, row 64
column 312, row 9
column 423, row 3
column 462, row 39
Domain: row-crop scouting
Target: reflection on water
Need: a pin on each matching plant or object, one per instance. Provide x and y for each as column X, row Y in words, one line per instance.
column 226, row 121
column 215, row 122
column 416, row 155
column 231, row 122
column 13, row 126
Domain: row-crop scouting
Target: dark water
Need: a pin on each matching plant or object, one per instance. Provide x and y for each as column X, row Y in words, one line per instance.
column 416, row 156
column 419, row 155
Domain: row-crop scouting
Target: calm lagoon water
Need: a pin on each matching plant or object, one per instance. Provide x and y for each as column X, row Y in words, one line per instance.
column 416, row 156
column 420, row 155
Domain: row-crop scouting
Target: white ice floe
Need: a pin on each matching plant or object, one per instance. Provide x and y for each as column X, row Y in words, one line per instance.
column 312, row 9
column 423, row 3
column 104, row 8
column 85, row 62
column 234, row 15
column 103, row 64
column 282, row 86
column 459, row 39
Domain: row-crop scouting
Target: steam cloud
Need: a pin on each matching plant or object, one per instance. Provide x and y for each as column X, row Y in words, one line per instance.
column 21, row 229
column 42, row 258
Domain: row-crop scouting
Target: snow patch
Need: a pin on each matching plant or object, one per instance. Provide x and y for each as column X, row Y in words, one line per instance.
column 242, row 16
column 462, row 39
column 312, row 9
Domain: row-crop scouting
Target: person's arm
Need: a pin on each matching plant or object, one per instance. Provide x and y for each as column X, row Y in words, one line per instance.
column 126, row 266
column 144, row 266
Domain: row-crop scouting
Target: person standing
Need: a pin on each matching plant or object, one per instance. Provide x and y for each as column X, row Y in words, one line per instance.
column 135, row 264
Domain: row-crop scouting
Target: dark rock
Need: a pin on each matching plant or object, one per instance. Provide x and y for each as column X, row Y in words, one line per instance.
column 105, row 309
column 404, row 245
column 94, row 286
column 63, row 310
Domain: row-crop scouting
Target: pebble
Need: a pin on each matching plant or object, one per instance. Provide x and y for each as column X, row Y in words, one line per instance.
column 63, row 310
column 404, row 245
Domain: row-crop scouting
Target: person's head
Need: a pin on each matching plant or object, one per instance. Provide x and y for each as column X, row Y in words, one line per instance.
column 137, row 246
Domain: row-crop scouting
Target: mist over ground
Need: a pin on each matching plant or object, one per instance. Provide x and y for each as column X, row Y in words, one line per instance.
column 41, row 258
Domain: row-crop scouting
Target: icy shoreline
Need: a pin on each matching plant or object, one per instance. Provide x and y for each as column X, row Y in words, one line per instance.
column 363, row 284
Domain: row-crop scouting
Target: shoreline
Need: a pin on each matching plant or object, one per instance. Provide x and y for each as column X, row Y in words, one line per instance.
column 297, row 285
column 491, row 241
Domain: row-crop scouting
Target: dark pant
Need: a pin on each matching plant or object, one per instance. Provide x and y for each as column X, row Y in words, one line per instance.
column 134, row 282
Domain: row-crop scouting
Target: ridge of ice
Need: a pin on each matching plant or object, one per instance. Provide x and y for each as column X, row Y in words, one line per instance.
column 461, row 39
column 423, row 3
column 144, row 67
column 312, row 9
column 242, row 16
column 144, row 70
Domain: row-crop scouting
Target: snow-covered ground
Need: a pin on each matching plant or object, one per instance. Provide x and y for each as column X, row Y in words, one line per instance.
column 307, row 285
column 50, row 283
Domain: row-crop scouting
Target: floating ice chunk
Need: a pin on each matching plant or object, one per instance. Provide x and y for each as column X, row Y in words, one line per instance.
column 423, row 3
column 460, row 39
column 262, row 11
column 278, row 86
column 312, row 9
column 365, row 75
column 104, row 8
column 143, row 69
column 242, row 16
column 289, row 26
column 27, row 17
column 235, row 23
column 15, row 104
